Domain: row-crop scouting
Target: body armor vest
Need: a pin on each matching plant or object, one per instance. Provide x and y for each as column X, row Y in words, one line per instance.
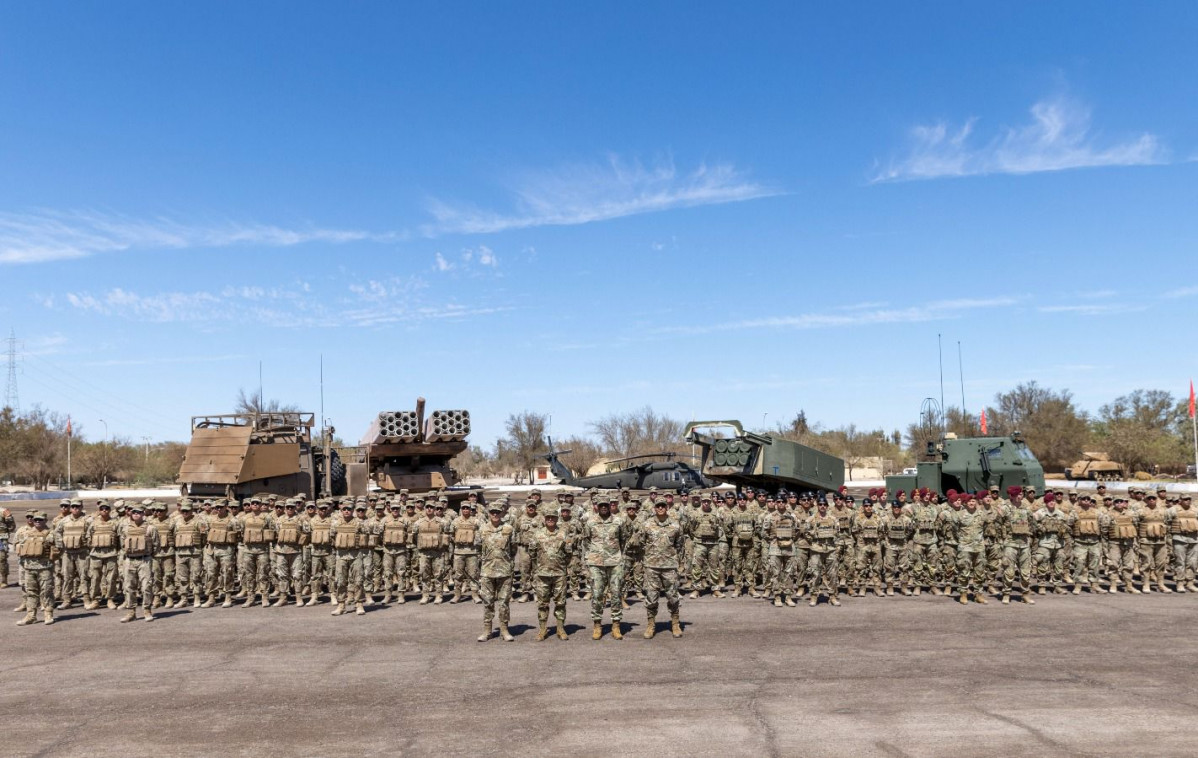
column 321, row 532
column 345, row 535
column 1152, row 524
column 1122, row 526
column 220, row 532
column 870, row 527
column 36, row 545
column 103, row 533
column 74, row 533
column 136, row 541
column 1086, row 524
column 187, row 534
column 253, row 530
column 1185, row 522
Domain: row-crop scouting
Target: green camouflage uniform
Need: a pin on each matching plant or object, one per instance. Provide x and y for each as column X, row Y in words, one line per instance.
column 549, row 553
column 662, row 541
column 605, row 539
column 497, row 549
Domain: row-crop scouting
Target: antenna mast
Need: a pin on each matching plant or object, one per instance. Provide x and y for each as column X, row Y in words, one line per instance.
column 12, row 398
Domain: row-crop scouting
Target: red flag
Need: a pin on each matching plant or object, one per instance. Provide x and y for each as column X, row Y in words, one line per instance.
column 1191, row 398
column 68, row 426
column 983, row 421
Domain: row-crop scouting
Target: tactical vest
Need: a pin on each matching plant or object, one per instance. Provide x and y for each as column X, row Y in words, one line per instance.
column 743, row 529
column 103, row 534
column 165, row 540
column 345, row 535
column 136, row 541
column 395, row 533
column 463, row 534
column 289, row 532
column 825, row 528
column 1020, row 525
column 220, row 532
column 253, row 531
column 1185, row 522
column 321, row 532
column 74, row 533
column 870, row 527
column 990, row 523
column 844, row 520
column 1086, row 524
column 1122, row 526
column 36, row 545
column 896, row 529
column 428, row 535
column 1152, row 524
column 705, row 527
column 187, row 534
column 783, row 531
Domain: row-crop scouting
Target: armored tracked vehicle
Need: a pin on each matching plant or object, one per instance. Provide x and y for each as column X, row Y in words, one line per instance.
column 1096, row 466
column 969, row 464
column 746, row 459
column 243, row 454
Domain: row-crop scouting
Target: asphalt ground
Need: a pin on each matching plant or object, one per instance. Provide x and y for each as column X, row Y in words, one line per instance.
column 1088, row 675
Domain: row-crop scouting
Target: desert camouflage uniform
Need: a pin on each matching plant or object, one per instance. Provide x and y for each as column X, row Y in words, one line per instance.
column 8, row 528
column 71, row 536
column 102, row 560
column 1154, row 546
column 1051, row 526
column 291, row 533
column 139, row 543
column 868, row 531
column 465, row 555
column 189, row 535
column 395, row 556
column 1182, row 521
column 34, row 549
column 220, row 558
column 1088, row 526
column 706, row 530
column 898, row 528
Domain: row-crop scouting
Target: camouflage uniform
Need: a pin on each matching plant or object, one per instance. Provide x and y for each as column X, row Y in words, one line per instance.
column 706, row 530
column 525, row 524
column 846, row 564
column 1121, row 546
column 429, row 538
column 465, row 556
column 8, row 528
column 189, row 533
column 102, row 561
column 744, row 543
column 139, row 542
column 868, row 529
column 549, row 552
column 925, row 548
column 898, row 528
column 164, row 557
column 823, row 531
column 1182, row 522
column 947, row 525
column 497, row 548
column 1154, row 545
column 779, row 530
column 34, row 547
column 395, row 555
column 1088, row 527
column 605, row 539
column 349, row 540
column 224, row 534
column 969, row 527
column 1051, row 526
column 575, row 576
column 291, row 532
column 71, row 536
column 1018, row 526
column 662, row 540
column 257, row 534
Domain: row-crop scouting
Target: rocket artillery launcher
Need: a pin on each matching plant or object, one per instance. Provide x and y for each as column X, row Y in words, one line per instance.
column 763, row 461
column 404, row 450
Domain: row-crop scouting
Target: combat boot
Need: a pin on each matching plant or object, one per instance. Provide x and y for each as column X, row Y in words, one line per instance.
column 149, row 614
column 439, row 599
column 1133, row 590
column 650, row 627
column 400, row 599
column 561, row 631
column 735, row 592
column 457, row 598
column 505, row 634
column 542, row 631
column 616, row 632
column 778, row 601
column 1161, row 586
column 211, row 601
column 228, row 603
column 597, row 632
column 717, row 593
column 675, row 624
column 29, row 618
column 964, row 599
column 575, row 597
column 1077, row 590
column 195, row 602
column 1006, row 599
column 980, row 599
column 111, row 604
column 20, row 608
column 130, row 616
column 833, row 601
column 340, row 609
column 249, row 603
column 790, row 602
column 91, row 605
column 812, row 602
column 915, row 592
column 1180, row 588
column 486, row 635
column 1041, row 590
column 359, row 610
column 1192, row 587
column 282, row 601
column 860, row 592
column 424, row 599
column 386, row 598
column 66, row 603
column 624, row 604
column 890, row 592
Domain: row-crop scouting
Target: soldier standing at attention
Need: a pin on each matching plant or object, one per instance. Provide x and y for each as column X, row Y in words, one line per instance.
column 464, row 530
column 288, row 567
column 34, row 543
column 8, row 527
column 224, row 534
column 898, row 528
column 1018, row 526
column 254, row 527
column 497, row 547
column 779, row 531
column 867, row 528
column 706, row 530
column 573, row 529
column 189, row 545
column 164, row 556
column 550, row 552
column 1182, row 521
column 605, row 538
column 427, row 533
column 743, row 541
column 1121, row 546
column 1154, row 545
column 662, row 540
column 527, row 523
column 348, row 533
column 71, row 535
column 102, row 560
column 1051, row 525
column 395, row 553
column 1088, row 527
column 823, row 530
column 320, row 567
column 139, row 540
column 969, row 527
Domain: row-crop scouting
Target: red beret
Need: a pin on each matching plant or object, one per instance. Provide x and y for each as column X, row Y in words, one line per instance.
column 1014, row 489
column 981, row 494
column 843, row 489
column 1049, row 497
column 951, row 494
column 898, row 493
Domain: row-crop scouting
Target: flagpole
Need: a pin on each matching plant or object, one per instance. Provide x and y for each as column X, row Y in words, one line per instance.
column 1194, row 426
column 68, row 455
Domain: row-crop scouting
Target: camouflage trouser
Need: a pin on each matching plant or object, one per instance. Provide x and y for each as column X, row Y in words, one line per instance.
column 395, row 565
column 723, row 565
column 687, row 558
column 289, row 573
column 188, row 573
column 897, row 564
column 781, row 574
column 376, row 569
column 1154, row 561
column 1121, row 562
column 37, row 579
column 139, row 582
column 994, row 558
column 257, row 572
column 496, row 590
column 868, row 570
column 634, row 573
column 551, row 589
column 1087, row 563
column 4, row 561
column 219, row 566
column 658, row 582
column 101, row 574
column 1017, row 565
column 948, row 565
column 744, row 565
column 925, row 560
column 347, row 576
column 522, row 583
column 799, row 574
column 367, row 559
column 320, row 572
column 429, row 572
column 465, row 573
column 576, row 576
column 164, row 574
column 306, row 564
column 971, row 569
column 74, row 574
column 705, row 570
column 846, row 565
column 821, row 573
column 1050, row 565
column 604, row 578
column 1185, row 561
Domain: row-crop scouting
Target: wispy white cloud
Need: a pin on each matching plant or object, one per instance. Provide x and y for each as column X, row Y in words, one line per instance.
column 1182, row 292
column 42, row 236
column 440, row 263
column 1058, row 137
column 581, row 194
column 1092, row 309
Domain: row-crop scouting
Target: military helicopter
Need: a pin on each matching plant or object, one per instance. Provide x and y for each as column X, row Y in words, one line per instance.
column 637, row 472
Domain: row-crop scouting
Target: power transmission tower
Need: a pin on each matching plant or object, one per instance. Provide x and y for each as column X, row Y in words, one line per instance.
column 12, row 398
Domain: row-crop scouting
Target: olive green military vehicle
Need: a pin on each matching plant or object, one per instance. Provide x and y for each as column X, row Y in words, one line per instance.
column 969, row 464
column 243, row 454
column 732, row 455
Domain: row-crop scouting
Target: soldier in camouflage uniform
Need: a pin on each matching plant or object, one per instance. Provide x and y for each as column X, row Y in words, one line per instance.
column 1088, row 527
column 1182, row 523
column 189, row 533
column 428, row 537
column 868, row 529
column 846, row 553
column 220, row 562
column 1121, row 546
column 1018, row 526
column 947, row 527
column 575, row 577
column 8, row 528
column 744, row 548
column 634, row 552
column 992, row 512
column 779, row 530
column 102, row 560
column 320, row 566
column 823, row 531
column 605, row 537
column 1051, row 525
column 549, row 552
column 395, row 553
column 349, row 540
column 34, row 545
column 257, row 535
column 925, row 544
column 292, row 531
column 465, row 554
column 1154, row 544
column 662, row 540
column 706, row 530
column 71, row 536
column 968, row 525
column 139, row 541
column 898, row 528
column 526, row 523
column 497, row 549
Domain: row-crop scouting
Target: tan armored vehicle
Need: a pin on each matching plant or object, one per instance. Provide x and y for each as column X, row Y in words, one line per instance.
column 1097, row 466
column 406, row 451
column 242, row 454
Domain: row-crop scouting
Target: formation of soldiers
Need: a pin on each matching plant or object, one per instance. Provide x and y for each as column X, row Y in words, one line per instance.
column 783, row 547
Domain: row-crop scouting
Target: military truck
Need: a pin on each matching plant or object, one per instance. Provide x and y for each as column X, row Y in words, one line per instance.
column 969, row 464
column 242, row 454
column 732, row 455
column 1095, row 466
column 403, row 450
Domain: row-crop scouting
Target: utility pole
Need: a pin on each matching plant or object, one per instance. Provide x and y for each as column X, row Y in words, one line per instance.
column 12, row 398
column 147, row 441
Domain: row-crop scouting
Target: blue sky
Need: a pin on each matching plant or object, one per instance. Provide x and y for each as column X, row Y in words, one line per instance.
column 720, row 211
